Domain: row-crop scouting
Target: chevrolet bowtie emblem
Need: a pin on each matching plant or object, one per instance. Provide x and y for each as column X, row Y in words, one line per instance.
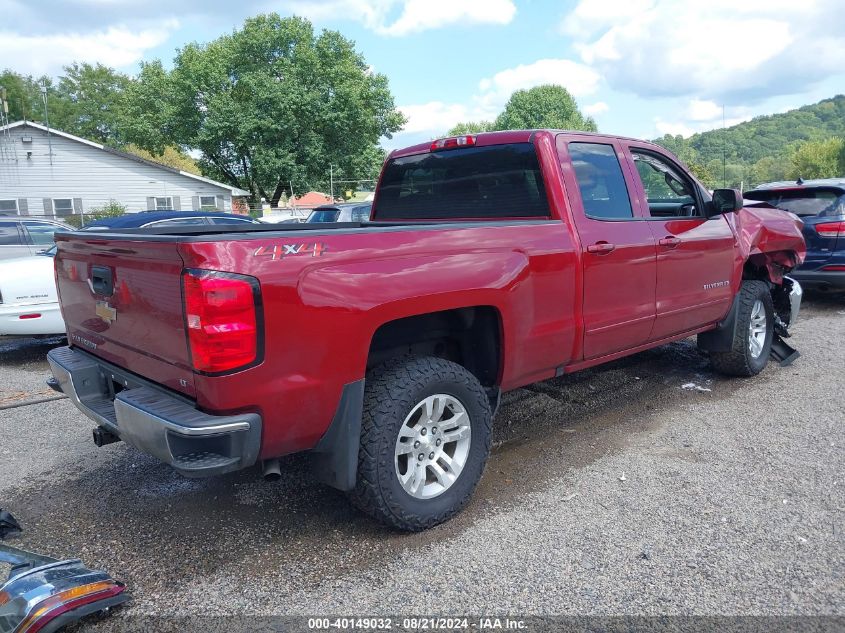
column 105, row 312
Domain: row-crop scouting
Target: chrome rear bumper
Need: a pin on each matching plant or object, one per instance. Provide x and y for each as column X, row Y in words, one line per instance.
column 155, row 420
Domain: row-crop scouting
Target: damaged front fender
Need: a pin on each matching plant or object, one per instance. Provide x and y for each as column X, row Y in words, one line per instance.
column 770, row 239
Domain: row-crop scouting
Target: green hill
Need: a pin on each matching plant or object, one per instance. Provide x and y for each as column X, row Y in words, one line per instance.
column 760, row 149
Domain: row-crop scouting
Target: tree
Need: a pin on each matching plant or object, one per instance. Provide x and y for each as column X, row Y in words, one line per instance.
column 266, row 105
column 23, row 93
column 817, row 159
column 171, row 156
column 88, row 100
column 543, row 107
column 471, row 127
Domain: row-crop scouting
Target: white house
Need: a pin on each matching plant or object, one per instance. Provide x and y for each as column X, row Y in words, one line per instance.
column 59, row 174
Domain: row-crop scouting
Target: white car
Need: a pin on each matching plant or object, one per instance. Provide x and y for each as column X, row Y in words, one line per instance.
column 29, row 305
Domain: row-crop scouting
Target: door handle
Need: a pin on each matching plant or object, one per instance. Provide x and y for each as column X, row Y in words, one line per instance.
column 670, row 241
column 601, row 248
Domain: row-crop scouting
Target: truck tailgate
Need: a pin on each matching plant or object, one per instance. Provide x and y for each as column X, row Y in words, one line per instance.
column 122, row 301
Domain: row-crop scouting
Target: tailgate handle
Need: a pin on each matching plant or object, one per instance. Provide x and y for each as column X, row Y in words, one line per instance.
column 102, row 280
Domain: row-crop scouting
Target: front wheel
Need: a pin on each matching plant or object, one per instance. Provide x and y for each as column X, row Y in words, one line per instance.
column 752, row 342
column 425, row 438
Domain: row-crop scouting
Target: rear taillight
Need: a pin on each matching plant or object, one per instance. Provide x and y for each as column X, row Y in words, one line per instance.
column 834, row 268
column 831, row 229
column 223, row 320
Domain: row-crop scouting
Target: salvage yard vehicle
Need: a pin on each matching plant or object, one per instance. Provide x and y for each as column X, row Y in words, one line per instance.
column 821, row 205
column 490, row 261
column 28, row 302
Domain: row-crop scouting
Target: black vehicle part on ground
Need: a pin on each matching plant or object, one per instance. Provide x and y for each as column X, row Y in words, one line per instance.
column 8, row 524
column 47, row 594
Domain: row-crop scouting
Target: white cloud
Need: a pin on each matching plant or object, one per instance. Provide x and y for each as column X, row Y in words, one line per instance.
column 414, row 15
column 116, row 46
column 592, row 109
column 701, row 110
column 739, row 51
column 579, row 79
column 436, row 117
column 701, row 116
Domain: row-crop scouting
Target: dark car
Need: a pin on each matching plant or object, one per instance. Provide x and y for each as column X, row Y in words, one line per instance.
column 166, row 218
column 343, row 212
column 821, row 205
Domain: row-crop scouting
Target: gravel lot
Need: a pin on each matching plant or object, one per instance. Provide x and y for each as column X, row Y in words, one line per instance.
column 613, row 491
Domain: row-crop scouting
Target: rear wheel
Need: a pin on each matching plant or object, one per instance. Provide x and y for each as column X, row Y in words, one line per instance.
column 425, row 438
column 752, row 342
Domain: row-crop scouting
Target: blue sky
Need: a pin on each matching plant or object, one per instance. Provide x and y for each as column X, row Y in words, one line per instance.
column 640, row 67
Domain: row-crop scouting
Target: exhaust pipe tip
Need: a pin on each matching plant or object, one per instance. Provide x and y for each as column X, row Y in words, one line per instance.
column 104, row 436
column 271, row 470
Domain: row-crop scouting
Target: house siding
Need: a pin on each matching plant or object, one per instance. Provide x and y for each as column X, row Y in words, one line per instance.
column 87, row 175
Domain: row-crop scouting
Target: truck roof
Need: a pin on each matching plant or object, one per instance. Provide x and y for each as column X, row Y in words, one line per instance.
column 513, row 136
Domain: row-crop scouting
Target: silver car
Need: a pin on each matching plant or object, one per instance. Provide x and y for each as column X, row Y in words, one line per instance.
column 22, row 237
column 344, row 212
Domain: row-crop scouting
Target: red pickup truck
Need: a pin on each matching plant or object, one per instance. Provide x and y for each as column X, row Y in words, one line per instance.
column 489, row 262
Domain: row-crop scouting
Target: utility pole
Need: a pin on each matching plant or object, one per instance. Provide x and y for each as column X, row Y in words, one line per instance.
column 724, row 149
column 331, row 181
column 47, row 120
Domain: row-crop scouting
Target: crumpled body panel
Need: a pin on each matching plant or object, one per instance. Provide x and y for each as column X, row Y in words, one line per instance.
column 770, row 238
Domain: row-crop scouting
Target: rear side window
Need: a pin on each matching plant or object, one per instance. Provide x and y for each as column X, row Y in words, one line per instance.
column 9, row 235
column 499, row 181
column 600, row 181
column 803, row 202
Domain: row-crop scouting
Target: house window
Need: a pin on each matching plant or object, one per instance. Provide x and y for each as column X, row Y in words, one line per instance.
column 208, row 203
column 62, row 206
column 8, row 206
column 164, row 204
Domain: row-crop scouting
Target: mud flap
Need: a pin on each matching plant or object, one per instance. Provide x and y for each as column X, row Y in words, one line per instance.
column 782, row 352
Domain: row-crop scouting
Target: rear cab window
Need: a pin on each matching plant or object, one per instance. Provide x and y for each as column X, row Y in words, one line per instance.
column 803, row 202
column 493, row 181
column 327, row 215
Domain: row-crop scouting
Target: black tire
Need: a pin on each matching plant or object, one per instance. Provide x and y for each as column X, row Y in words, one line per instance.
column 740, row 361
column 392, row 391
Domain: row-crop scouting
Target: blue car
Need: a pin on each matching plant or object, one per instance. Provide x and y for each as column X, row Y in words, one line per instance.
column 821, row 205
column 146, row 219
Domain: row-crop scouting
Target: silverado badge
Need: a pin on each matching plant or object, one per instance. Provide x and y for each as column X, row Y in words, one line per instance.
column 105, row 312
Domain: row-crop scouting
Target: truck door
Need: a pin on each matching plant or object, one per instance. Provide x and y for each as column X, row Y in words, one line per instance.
column 618, row 250
column 695, row 256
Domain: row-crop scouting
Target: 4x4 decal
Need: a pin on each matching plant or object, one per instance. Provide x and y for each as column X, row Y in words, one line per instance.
column 280, row 251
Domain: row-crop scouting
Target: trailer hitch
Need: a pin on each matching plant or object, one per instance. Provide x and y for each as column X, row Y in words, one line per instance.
column 44, row 594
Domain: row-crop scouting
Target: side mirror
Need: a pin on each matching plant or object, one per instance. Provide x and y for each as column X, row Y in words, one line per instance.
column 725, row 201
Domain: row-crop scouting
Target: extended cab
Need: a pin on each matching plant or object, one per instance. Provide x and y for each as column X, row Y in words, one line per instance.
column 489, row 262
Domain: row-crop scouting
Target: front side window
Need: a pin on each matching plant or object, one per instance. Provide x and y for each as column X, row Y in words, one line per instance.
column 497, row 181
column 600, row 181
column 669, row 193
column 208, row 203
column 8, row 206
column 40, row 233
column 164, row 203
column 62, row 207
